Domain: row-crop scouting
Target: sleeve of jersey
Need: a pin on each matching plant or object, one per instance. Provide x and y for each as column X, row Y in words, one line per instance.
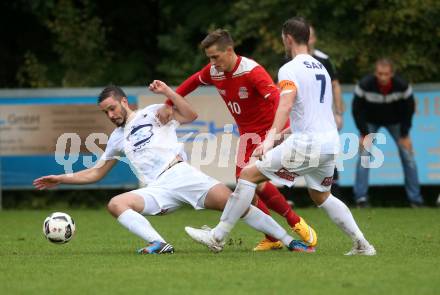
column 286, row 82
column 264, row 83
column 111, row 152
column 153, row 108
column 202, row 77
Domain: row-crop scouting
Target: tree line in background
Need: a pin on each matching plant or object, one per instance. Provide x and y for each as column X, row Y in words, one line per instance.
column 77, row 43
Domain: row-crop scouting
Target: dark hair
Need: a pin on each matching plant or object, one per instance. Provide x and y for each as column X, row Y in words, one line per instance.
column 298, row 28
column 111, row 91
column 219, row 37
column 385, row 61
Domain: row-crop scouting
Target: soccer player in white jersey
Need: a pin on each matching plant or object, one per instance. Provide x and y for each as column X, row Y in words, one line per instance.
column 154, row 152
column 309, row 151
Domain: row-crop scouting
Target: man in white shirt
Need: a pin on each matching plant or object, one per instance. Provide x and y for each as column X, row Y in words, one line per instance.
column 156, row 157
column 310, row 150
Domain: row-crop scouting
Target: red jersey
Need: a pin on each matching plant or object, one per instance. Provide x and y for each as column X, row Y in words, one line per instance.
column 248, row 91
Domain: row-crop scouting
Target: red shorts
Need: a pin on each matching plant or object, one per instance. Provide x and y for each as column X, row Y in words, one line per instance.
column 247, row 144
column 245, row 150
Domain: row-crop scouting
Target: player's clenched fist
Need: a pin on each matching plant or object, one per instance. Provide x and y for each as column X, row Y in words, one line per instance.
column 159, row 87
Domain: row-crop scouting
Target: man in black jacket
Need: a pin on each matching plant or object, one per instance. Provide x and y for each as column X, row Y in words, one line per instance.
column 385, row 100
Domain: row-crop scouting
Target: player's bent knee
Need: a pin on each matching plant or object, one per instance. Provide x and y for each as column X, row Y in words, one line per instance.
column 217, row 197
column 252, row 174
column 116, row 206
column 318, row 197
column 260, row 186
column 247, row 174
column 112, row 206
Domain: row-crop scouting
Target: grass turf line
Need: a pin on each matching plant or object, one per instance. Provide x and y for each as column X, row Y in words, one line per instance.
column 101, row 258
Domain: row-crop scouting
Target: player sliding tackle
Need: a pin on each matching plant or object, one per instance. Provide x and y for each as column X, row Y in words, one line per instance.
column 309, row 151
column 156, row 155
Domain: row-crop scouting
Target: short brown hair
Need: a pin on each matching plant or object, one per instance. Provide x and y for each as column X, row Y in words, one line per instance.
column 219, row 37
column 298, row 28
column 111, row 91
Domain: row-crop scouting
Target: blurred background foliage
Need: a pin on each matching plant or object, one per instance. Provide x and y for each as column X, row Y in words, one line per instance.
column 77, row 43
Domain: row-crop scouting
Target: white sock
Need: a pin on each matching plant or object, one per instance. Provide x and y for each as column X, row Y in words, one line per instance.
column 341, row 215
column 139, row 225
column 262, row 222
column 235, row 207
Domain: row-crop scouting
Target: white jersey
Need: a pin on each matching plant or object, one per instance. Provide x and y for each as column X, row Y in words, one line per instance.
column 311, row 117
column 149, row 146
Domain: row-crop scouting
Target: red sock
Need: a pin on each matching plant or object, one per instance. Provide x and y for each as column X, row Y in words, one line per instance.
column 272, row 197
column 260, row 205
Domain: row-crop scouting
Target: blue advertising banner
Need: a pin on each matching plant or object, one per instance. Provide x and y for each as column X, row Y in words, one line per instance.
column 30, row 126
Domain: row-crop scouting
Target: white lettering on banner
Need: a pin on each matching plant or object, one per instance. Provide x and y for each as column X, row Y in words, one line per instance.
column 93, row 148
column 225, row 146
column 204, row 150
column 352, row 149
column 377, row 154
column 72, row 155
column 199, row 156
column 241, row 147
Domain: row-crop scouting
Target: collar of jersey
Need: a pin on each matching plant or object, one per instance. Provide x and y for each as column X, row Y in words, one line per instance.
column 229, row 74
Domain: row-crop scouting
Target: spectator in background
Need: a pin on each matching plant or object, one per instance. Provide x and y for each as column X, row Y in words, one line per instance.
column 338, row 104
column 385, row 100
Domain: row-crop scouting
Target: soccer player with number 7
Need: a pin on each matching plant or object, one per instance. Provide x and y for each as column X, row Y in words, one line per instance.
column 252, row 99
column 309, row 151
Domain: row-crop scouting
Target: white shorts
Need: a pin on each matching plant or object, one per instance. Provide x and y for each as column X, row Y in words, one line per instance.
column 285, row 162
column 180, row 184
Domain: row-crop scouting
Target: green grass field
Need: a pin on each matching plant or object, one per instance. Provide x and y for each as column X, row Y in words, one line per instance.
column 101, row 258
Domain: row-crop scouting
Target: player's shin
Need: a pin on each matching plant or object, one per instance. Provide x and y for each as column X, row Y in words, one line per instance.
column 262, row 222
column 139, row 225
column 236, row 206
column 341, row 215
column 277, row 202
column 262, row 206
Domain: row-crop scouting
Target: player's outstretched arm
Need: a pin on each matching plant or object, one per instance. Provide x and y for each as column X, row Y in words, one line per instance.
column 183, row 112
column 89, row 175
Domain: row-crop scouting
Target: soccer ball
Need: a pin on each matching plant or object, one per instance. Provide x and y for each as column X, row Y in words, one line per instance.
column 59, row 228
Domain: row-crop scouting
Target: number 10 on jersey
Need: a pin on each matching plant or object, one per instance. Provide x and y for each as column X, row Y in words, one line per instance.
column 234, row 107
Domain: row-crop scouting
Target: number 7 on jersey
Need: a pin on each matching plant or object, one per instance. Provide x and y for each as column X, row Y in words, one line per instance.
column 321, row 78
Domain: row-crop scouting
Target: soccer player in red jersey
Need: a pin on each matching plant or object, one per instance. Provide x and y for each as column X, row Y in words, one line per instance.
column 252, row 99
